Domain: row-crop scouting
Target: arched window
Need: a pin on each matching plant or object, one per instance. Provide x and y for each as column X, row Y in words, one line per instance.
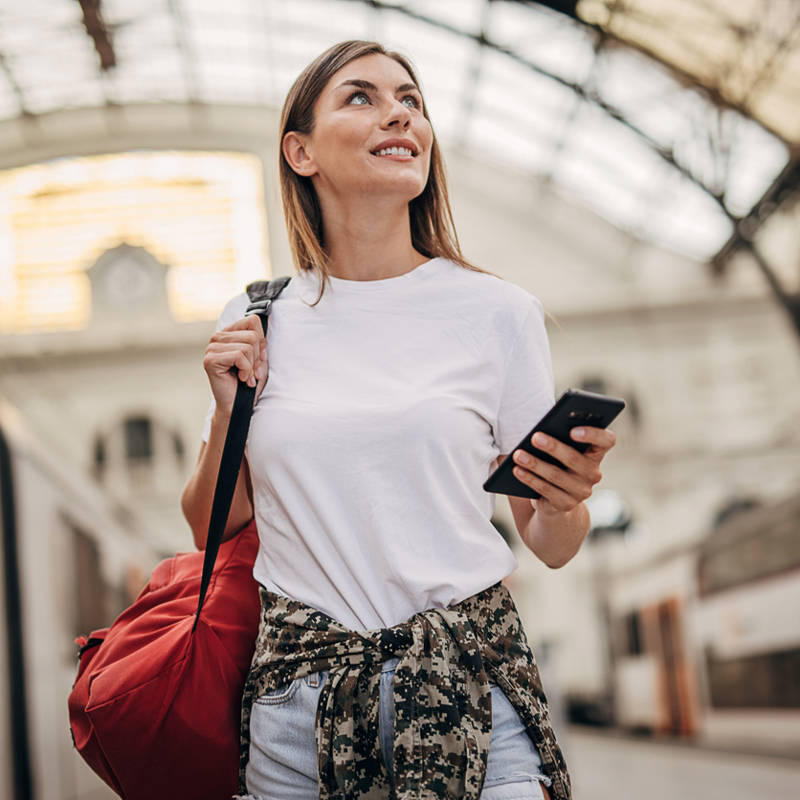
column 139, row 453
column 138, row 440
column 99, row 457
column 179, row 448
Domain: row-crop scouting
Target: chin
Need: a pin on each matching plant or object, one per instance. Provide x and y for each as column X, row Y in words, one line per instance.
column 404, row 192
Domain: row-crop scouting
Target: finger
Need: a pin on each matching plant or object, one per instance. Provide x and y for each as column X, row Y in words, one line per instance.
column 567, row 455
column 255, row 323
column 558, row 498
column 601, row 438
column 261, row 341
column 582, row 463
column 242, row 335
column 223, row 358
column 578, row 485
column 245, row 369
column 251, row 322
column 261, row 378
column 225, row 352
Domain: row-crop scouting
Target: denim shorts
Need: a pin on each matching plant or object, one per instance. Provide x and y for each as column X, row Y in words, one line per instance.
column 283, row 749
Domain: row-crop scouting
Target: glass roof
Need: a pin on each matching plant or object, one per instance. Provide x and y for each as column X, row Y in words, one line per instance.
column 639, row 140
column 747, row 52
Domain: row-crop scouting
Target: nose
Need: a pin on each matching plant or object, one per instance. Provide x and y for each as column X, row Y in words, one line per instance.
column 398, row 115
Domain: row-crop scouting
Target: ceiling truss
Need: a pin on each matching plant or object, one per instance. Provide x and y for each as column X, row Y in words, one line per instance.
column 698, row 150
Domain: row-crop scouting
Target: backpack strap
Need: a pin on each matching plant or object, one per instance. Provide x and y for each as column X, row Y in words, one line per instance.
column 261, row 294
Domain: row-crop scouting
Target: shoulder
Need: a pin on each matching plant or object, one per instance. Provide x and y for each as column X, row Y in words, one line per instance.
column 498, row 297
column 232, row 310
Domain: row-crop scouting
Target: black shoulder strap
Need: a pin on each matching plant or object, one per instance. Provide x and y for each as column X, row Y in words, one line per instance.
column 261, row 294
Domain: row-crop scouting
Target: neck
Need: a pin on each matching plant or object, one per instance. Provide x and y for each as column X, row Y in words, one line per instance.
column 369, row 239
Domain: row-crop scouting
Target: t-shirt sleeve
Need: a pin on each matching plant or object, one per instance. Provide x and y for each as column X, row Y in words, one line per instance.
column 233, row 310
column 528, row 389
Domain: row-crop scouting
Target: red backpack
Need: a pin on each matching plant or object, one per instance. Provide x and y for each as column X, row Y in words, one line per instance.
column 155, row 708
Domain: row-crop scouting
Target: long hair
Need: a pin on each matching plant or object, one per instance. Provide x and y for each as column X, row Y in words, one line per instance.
column 433, row 231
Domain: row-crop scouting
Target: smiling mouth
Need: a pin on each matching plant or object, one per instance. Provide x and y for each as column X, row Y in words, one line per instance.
column 394, row 151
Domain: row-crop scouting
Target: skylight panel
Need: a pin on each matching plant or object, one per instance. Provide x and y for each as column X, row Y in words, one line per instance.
column 345, row 20
column 507, row 84
column 463, row 15
column 549, row 40
column 756, row 159
column 498, row 139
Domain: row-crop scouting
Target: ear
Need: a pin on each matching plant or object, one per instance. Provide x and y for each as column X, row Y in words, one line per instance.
column 296, row 155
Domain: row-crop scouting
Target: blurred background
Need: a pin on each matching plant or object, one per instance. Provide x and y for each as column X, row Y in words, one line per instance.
column 635, row 164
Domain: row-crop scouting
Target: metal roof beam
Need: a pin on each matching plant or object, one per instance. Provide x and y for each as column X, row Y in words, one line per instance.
column 665, row 153
column 744, row 227
column 789, row 301
column 785, row 187
column 15, row 87
column 186, row 51
column 98, row 32
column 786, row 184
column 474, row 74
column 687, row 79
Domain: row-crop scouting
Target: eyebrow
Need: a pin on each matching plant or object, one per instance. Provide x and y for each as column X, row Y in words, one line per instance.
column 403, row 87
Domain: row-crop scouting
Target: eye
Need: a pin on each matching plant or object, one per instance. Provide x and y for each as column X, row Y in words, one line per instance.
column 357, row 94
column 414, row 101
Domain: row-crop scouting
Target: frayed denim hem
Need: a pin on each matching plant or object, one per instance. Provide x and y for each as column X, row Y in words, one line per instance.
column 514, row 777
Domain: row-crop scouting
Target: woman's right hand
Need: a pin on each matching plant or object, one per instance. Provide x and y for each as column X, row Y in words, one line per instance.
column 238, row 352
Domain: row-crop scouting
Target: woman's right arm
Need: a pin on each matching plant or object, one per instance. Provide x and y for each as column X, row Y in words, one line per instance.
column 236, row 352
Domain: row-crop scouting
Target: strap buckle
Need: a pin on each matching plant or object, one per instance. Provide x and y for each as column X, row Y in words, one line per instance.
column 259, row 307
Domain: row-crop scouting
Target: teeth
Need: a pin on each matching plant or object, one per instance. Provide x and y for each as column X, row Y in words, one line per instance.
column 394, row 151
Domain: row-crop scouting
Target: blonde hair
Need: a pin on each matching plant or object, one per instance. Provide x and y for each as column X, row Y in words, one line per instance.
column 433, row 231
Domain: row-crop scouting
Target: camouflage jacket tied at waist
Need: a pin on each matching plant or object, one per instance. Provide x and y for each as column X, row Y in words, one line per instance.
column 441, row 693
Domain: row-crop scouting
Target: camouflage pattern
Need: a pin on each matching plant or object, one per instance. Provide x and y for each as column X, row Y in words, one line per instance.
column 441, row 693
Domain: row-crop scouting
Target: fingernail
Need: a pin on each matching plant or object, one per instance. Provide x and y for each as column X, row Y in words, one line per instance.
column 540, row 439
column 579, row 433
column 523, row 457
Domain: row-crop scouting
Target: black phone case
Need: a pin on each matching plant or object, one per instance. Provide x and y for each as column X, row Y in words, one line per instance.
column 575, row 407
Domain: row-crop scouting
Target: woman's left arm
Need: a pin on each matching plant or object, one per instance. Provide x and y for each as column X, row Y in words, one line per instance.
column 554, row 526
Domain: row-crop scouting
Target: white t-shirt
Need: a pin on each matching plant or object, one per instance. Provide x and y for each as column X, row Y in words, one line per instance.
column 385, row 406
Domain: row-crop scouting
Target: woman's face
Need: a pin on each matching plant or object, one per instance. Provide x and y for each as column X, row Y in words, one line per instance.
column 369, row 105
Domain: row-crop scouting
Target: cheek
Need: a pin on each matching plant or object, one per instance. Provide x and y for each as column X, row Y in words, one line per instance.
column 425, row 137
column 342, row 161
column 337, row 142
column 427, row 165
column 425, row 132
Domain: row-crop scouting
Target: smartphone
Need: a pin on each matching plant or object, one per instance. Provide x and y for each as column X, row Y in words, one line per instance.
column 575, row 407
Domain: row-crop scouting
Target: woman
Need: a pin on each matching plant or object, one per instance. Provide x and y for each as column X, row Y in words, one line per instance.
column 390, row 659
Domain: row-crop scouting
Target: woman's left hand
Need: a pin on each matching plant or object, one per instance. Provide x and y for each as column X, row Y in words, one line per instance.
column 564, row 489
